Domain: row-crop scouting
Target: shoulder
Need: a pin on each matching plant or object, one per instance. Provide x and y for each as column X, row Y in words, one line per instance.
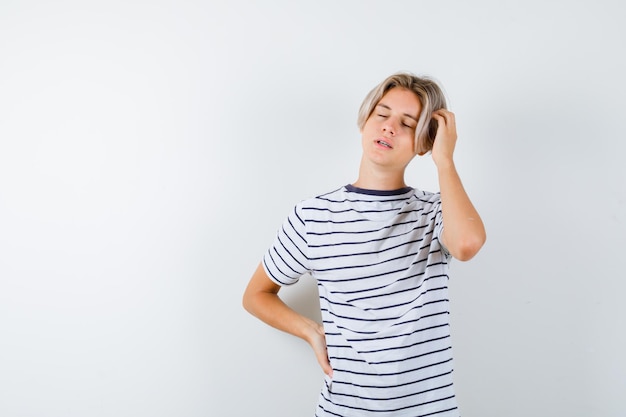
column 427, row 197
column 336, row 196
column 310, row 207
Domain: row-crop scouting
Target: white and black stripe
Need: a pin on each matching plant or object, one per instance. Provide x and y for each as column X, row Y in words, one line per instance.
column 382, row 276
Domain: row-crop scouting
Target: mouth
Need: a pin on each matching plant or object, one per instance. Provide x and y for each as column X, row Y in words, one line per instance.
column 384, row 143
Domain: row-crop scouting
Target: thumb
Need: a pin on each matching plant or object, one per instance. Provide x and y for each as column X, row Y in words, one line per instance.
column 321, row 352
column 322, row 359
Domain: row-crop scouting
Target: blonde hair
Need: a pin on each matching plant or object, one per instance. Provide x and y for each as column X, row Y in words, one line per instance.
column 429, row 94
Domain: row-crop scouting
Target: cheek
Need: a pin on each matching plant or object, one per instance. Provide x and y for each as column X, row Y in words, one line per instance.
column 366, row 131
column 369, row 125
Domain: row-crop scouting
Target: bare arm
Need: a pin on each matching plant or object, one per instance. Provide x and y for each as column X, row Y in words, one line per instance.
column 262, row 301
column 463, row 233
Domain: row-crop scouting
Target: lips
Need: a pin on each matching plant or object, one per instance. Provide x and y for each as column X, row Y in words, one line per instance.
column 384, row 143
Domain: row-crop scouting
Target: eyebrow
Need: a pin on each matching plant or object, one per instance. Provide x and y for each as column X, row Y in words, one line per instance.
column 389, row 108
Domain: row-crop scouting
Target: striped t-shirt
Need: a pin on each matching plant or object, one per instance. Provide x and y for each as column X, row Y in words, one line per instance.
column 382, row 276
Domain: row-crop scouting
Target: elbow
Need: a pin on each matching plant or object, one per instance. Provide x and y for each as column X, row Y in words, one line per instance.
column 255, row 297
column 247, row 302
column 244, row 303
column 252, row 301
column 468, row 248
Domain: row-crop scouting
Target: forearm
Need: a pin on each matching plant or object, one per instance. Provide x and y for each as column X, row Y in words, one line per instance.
column 269, row 308
column 463, row 229
column 261, row 300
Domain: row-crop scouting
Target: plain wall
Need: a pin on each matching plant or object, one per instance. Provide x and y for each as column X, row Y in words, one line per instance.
column 150, row 150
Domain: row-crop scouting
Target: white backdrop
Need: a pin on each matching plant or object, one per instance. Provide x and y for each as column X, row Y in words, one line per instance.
column 150, row 150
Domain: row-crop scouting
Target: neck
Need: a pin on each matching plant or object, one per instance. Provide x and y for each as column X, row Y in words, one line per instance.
column 378, row 178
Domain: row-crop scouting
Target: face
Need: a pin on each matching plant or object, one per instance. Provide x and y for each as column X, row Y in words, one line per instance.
column 388, row 136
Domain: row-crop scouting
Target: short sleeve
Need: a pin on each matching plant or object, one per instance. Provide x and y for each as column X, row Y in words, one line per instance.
column 439, row 226
column 286, row 260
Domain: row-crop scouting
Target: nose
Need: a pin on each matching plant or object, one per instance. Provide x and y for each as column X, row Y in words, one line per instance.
column 390, row 126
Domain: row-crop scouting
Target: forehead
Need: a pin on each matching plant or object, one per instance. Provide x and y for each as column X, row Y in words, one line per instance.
column 402, row 101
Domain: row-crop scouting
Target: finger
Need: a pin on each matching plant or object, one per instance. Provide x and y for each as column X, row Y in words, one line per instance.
column 444, row 111
column 441, row 121
column 446, row 114
column 322, row 359
column 326, row 368
column 440, row 117
column 445, row 118
column 322, row 353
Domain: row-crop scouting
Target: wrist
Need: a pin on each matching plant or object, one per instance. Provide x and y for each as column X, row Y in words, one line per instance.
column 310, row 330
column 444, row 164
